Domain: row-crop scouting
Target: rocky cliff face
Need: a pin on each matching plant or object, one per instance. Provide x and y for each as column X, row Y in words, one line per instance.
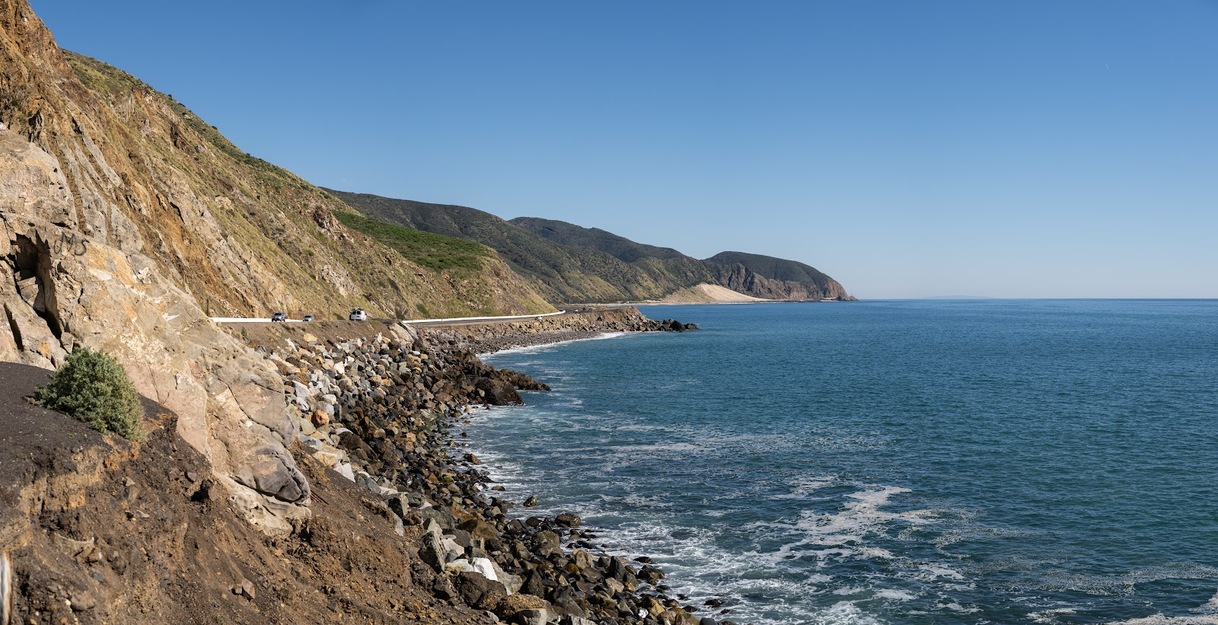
column 125, row 221
column 741, row 279
column 60, row 288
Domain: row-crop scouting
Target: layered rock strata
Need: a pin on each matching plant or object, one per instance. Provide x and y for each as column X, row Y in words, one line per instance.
column 60, row 288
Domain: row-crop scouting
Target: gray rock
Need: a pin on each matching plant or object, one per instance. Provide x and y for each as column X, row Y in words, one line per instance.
column 477, row 591
column 547, row 544
column 432, row 551
column 531, row 617
column 441, row 516
column 443, row 588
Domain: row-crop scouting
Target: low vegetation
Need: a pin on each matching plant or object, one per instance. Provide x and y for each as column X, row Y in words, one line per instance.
column 570, row 263
column 433, row 251
column 92, row 387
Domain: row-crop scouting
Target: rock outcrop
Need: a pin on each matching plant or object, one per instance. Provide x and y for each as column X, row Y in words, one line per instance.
column 742, row 279
column 125, row 221
column 60, row 288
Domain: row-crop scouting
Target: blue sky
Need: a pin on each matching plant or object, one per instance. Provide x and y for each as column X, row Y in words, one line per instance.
column 909, row 149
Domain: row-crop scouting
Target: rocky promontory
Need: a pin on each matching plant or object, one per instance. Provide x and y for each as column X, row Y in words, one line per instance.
column 484, row 338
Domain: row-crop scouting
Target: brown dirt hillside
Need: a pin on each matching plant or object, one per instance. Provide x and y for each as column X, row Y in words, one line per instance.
column 243, row 236
column 101, row 530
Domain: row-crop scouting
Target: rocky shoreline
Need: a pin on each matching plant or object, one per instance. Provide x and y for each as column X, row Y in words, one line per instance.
column 489, row 338
column 381, row 411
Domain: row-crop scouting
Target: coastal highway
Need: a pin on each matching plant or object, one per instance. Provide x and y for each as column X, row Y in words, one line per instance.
column 418, row 322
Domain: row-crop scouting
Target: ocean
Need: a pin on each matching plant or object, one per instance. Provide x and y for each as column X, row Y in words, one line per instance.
column 981, row 461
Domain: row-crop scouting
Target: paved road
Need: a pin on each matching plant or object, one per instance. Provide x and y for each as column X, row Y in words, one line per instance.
column 422, row 322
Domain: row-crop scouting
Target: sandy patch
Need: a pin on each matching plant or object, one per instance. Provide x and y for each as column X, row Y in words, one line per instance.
column 709, row 294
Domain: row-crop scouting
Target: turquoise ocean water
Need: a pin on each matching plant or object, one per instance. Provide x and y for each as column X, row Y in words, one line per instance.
column 892, row 462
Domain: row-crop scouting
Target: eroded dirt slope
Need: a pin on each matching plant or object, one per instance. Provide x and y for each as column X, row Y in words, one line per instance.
column 101, row 530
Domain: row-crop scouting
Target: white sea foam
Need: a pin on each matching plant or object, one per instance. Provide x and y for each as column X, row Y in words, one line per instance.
column 640, row 427
column 1159, row 619
column 895, row 595
column 948, row 538
column 844, row 613
column 856, row 519
column 1124, row 584
column 875, row 553
column 929, row 572
column 751, row 582
column 808, row 485
column 1050, row 616
column 545, row 347
column 1211, row 606
column 1208, row 616
column 657, row 447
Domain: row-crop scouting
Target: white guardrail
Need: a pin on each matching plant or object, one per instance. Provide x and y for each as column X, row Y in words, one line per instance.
column 501, row 318
column 447, row 320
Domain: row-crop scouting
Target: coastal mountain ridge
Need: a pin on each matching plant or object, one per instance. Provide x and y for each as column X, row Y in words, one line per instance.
column 755, row 275
column 568, row 263
column 594, row 238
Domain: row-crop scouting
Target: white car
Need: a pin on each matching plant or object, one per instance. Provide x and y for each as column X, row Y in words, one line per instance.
column 358, row 314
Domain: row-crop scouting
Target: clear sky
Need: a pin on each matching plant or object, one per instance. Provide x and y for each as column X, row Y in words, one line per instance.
column 908, row 149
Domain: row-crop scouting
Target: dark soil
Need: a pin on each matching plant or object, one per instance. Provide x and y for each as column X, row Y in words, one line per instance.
column 102, row 530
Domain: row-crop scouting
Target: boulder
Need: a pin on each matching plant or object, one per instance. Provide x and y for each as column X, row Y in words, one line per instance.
column 566, row 519
column 547, row 544
column 524, row 609
column 479, row 528
column 498, row 392
column 432, row 551
column 477, row 591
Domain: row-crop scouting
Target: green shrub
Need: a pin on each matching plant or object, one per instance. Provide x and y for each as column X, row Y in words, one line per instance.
column 94, row 388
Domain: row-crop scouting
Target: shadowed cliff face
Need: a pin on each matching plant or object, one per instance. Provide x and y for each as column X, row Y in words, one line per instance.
column 742, row 279
column 125, row 220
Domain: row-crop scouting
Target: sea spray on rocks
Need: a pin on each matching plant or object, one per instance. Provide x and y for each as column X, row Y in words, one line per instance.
column 379, row 411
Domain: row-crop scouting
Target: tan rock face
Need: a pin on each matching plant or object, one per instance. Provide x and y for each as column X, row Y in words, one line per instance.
column 60, row 288
column 124, row 219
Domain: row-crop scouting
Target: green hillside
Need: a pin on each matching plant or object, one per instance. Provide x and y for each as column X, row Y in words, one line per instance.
column 561, row 273
column 572, row 235
column 567, row 263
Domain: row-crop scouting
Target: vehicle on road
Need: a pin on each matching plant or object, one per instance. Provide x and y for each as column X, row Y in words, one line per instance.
column 307, row 318
column 279, row 317
column 358, row 314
